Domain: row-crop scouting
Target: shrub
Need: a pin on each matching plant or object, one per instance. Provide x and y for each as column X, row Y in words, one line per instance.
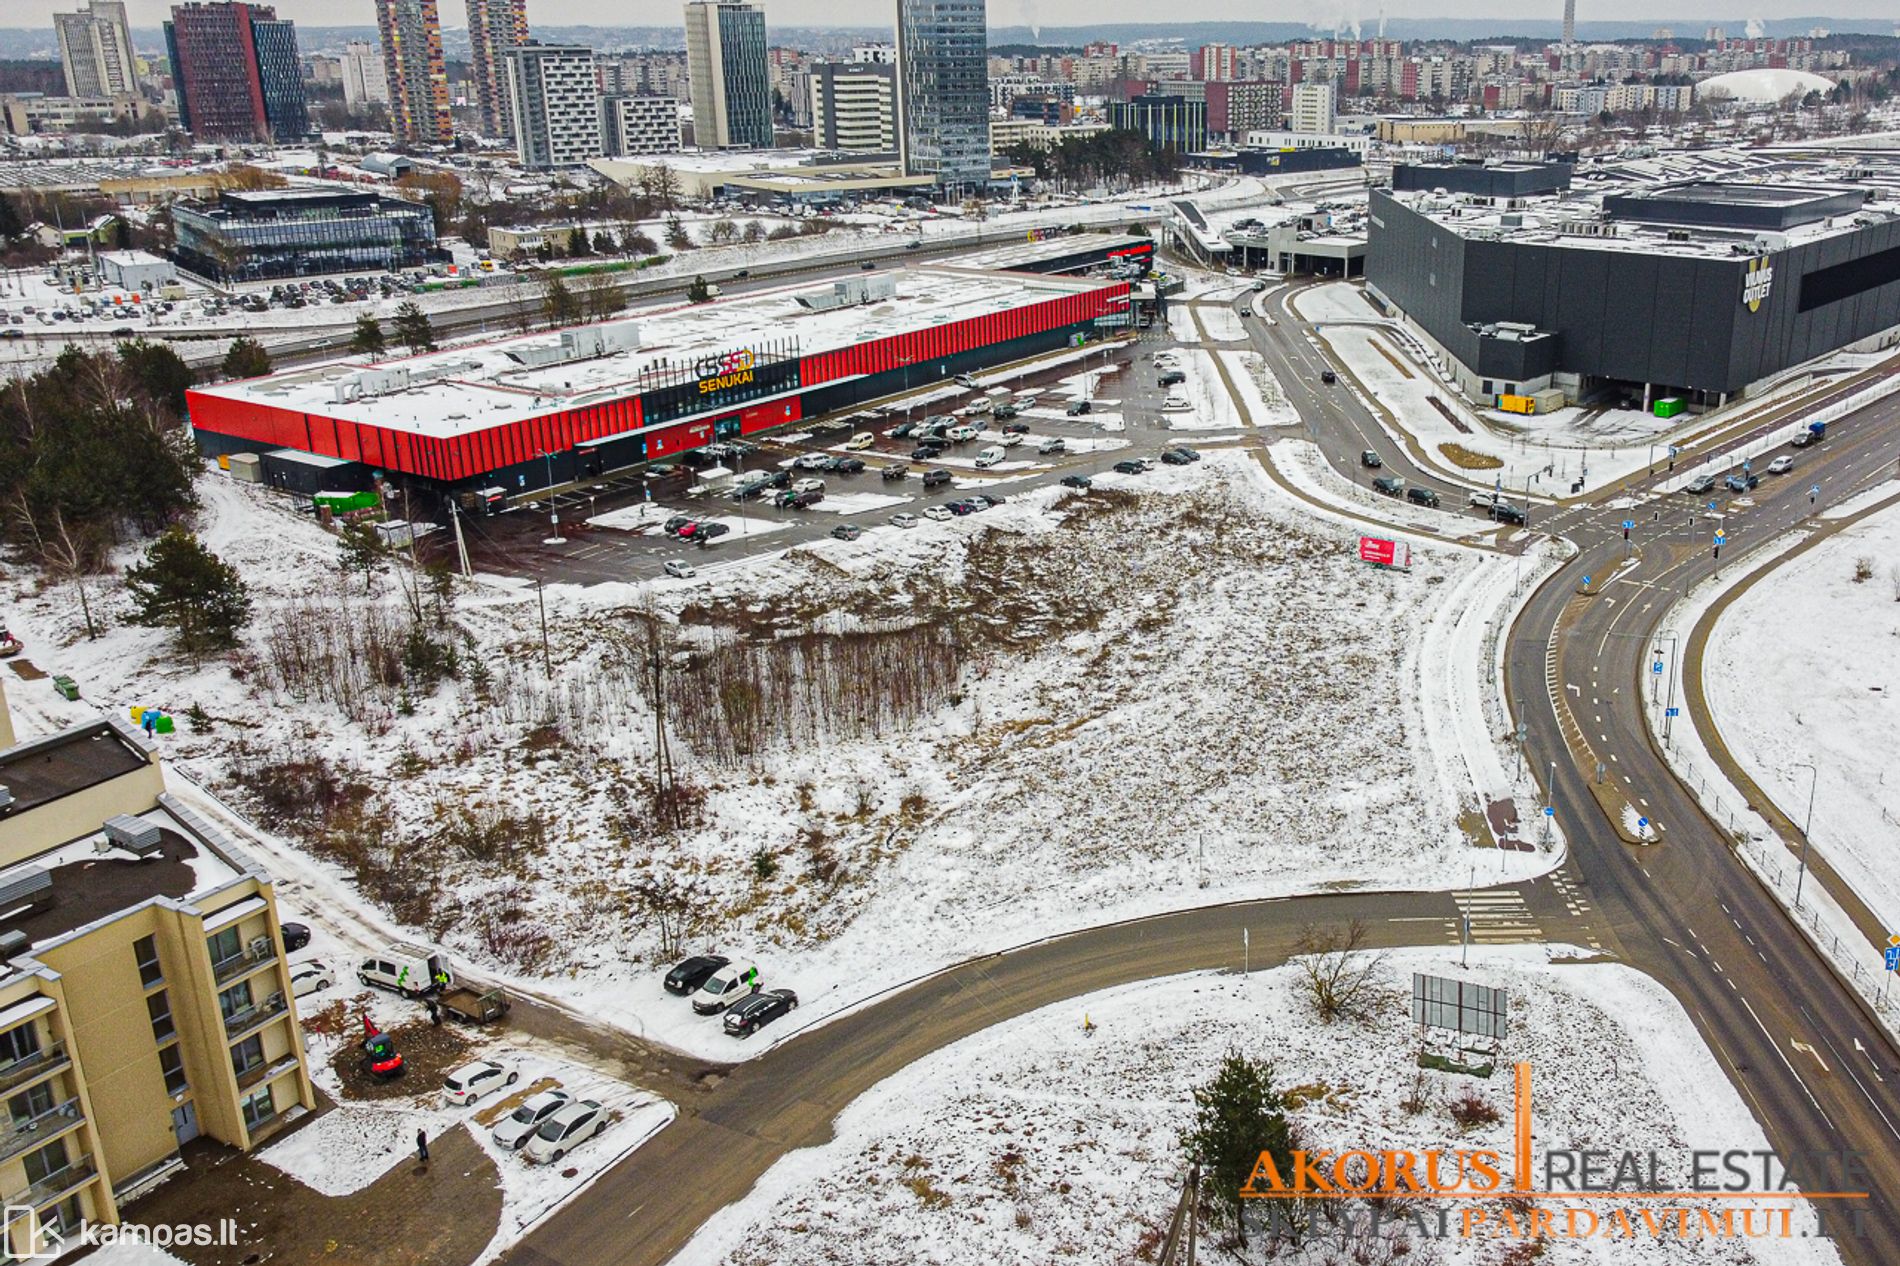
column 1471, row 1110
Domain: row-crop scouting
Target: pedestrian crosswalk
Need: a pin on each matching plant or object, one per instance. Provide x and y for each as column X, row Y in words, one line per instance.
column 1497, row 917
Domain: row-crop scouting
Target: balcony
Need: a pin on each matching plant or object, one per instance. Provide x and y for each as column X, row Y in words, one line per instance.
column 242, row 1023
column 228, row 970
column 43, row 1062
column 20, row 1136
column 57, row 1185
column 268, row 1070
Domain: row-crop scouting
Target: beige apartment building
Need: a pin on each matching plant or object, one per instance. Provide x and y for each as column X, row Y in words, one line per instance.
column 144, row 994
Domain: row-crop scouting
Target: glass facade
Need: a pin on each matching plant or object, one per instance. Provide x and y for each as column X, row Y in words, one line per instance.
column 748, row 84
column 299, row 233
column 237, row 72
column 280, row 75
column 1168, row 122
column 943, row 90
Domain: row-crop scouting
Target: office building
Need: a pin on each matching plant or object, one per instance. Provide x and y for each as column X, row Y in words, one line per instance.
column 415, row 71
column 731, row 83
column 876, row 54
column 1693, row 289
column 554, row 99
column 632, row 124
column 95, row 50
column 943, row 91
column 1238, row 106
column 144, row 996
column 494, row 27
column 1570, row 22
column 237, row 72
column 364, row 80
column 1313, row 107
column 273, row 233
column 854, row 107
column 1168, row 122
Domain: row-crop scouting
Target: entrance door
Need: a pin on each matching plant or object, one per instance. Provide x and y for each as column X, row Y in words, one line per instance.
column 185, row 1122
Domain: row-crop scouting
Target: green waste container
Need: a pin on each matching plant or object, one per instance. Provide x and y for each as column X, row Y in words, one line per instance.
column 67, row 687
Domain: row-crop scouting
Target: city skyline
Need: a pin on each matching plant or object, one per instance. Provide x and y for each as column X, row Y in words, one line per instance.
column 1687, row 16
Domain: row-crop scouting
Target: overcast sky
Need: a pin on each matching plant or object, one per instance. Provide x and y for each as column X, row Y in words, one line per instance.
column 1683, row 14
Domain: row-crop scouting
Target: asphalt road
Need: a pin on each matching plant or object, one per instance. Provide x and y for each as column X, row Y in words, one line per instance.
column 1817, row 1072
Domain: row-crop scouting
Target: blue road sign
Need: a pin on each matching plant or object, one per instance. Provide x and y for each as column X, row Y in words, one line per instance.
column 1815, row 491
column 1673, row 450
column 1656, row 667
column 1672, row 712
column 1586, row 580
column 1720, row 539
column 1643, row 823
column 1712, row 505
column 1629, row 523
column 1744, row 468
column 1549, row 812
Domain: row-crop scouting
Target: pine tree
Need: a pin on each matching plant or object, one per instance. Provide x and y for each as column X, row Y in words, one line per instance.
column 1237, row 1116
column 184, row 587
column 676, row 235
column 698, row 291
column 577, row 241
column 412, row 328
column 368, row 339
column 246, row 359
column 361, row 549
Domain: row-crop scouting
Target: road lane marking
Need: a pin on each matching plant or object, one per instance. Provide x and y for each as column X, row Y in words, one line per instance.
column 1783, row 1057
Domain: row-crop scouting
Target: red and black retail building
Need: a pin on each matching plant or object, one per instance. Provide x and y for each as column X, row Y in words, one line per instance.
column 656, row 415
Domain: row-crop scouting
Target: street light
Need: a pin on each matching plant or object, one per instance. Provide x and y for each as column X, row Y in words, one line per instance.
column 554, row 509
column 1814, row 776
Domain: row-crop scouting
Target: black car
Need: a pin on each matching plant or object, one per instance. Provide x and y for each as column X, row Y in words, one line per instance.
column 1016, row 428
column 1192, row 454
column 894, row 472
column 778, row 479
column 1504, row 512
column 784, row 498
column 1328, row 376
column 936, row 478
column 673, row 525
column 1129, row 467
column 1173, row 457
column 1170, row 378
column 959, row 508
column 1371, row 460
column 1078, row 407
column 926, row 452
column 868, row 265
column 1076, row 481
column 991, row 498
column 902, row 430
column 847, row 531
column 296, row 936
column 849, row 465
column 692, row 973
column 708, row 531
column 748, row 1017
column 1389, row 485
column 1422, row 496
column 806, row 500
column 1004, row 412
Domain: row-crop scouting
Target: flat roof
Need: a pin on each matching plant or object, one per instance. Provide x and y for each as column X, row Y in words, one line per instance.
column 89, row 886
column 1017, row 254
column 474, row 387
column 43, row 770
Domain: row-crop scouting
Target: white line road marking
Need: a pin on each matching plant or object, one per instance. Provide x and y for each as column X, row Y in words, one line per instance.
column 1870, row 1059
column 1783, row 1057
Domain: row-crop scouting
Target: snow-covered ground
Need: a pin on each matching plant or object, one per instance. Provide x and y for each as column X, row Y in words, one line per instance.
column 1803, row 678
column 1039, row 1135
column 1196, row 665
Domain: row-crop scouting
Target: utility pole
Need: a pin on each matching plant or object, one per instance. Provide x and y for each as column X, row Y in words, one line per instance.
column 547, row 660
column 1814, row 777
column 461, row 545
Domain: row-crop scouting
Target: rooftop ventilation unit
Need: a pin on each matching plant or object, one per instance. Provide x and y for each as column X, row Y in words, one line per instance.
column 134, row 835
column 6, row 799
column 24, row 885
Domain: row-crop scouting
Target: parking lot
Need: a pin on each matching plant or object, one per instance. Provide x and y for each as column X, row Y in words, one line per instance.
column 615, row 530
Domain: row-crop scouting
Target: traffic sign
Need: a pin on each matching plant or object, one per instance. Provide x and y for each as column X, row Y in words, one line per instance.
column 1720, row 539
column 1673, row 450
column 1656, row 667
column 1815, row 491
column 1628, row 524
column 1642, row 823
column 1744, row 468
column 1586, row 580
column 1711, row 505
column 1672, row 712
column 1549, row 812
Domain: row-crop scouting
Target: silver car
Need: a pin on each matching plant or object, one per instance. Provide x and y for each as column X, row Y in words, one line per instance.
column 515, row 1129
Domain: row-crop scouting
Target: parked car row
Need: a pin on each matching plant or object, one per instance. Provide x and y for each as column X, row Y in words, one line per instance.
column 544, row 1127
column 719, row 986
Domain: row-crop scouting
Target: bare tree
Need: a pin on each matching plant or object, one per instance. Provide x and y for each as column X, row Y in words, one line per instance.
column 1340, row 973
column 675, row 908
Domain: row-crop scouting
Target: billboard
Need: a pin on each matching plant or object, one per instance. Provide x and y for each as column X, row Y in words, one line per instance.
column 1384, row 553
column 1462, row 1007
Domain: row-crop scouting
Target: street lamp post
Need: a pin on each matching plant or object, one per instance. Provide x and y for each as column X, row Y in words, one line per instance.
column 1814, row 777
column 554, row 509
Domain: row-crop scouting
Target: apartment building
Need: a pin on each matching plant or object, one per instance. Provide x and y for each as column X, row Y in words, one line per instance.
column 634, row 123
column 95, row 50
column 554, row 101
column 854, row 107
column 144, row 995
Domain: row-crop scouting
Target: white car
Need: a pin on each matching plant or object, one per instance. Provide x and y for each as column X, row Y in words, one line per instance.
column 1053, row 445
column 808, row 485
column 1011, row 439
column 976, row 408
column 567, row 1129
column 1026, row 398
column 904, row 519
column 307, row 978
column 937, row 512
column 470, row 1082
column 725, row 987
column 513, row 1131
column 962, row 434
column 1176, row 404
column 1781, row 465
column 861, row 441
column 678, row 570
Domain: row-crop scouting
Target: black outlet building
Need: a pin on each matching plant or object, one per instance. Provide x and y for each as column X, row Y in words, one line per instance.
column 1695, row 289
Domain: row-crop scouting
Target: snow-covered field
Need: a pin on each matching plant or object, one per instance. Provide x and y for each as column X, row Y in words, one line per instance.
column 1803, row 678
column 1135, row 677
column 1037, row 1137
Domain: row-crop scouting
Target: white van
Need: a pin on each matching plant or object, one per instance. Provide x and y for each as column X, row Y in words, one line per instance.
column 861, row 441
column 407, row 969
column 990, row 456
